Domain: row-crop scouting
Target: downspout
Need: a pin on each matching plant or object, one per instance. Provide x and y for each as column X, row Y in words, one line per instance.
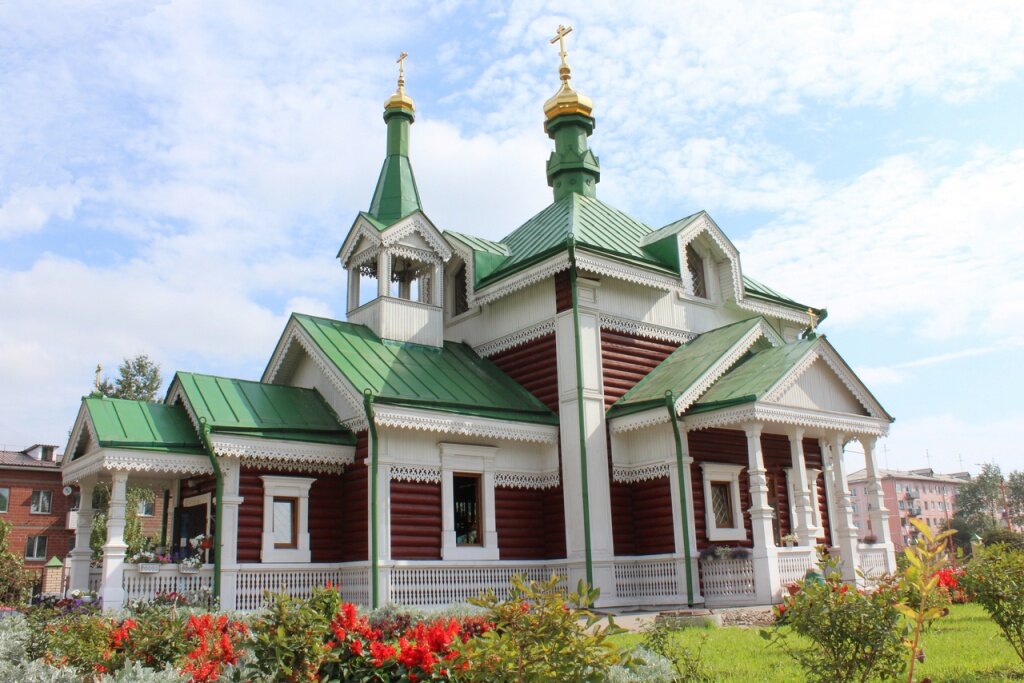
column 218, row 528
column 584, row 482
column 671, row 405
column 374, row 556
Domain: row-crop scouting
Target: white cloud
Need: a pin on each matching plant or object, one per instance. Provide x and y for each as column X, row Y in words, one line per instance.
column 28, row 209
column 894, row 374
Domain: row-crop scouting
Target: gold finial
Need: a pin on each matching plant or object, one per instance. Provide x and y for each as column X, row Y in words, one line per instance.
column 400, row 100
column 814, row 318
column 566, row 100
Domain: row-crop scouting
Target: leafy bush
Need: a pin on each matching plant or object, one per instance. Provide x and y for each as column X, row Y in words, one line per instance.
column 645, row 667
column 855, row 635
column 291, row 639
column 1001, row 536
column 540, row 634
column 662, row 638
column 995, row 578
column 15, row 581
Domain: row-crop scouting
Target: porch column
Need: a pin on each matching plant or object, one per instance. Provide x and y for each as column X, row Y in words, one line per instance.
column 766, row 566
column 803, row 524
column 82, row 553
column 229, row 535
column 114, row 548
column 877, row 513
column 384, row 273
column 353, row 287
column 845, row 533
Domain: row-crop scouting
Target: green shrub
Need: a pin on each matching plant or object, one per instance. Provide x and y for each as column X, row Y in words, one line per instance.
column 1001, row 536
column 662, row 638
column 854, row 635
column 645, row 667
column 291, row 639
column 15, row 581
column 995, row 578
column 540, row 634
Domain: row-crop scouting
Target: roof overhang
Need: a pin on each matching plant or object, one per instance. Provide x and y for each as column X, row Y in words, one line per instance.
column 463, row 425
column 391, row 236
column 300, row 455
column 785, row 416
column 103, row 460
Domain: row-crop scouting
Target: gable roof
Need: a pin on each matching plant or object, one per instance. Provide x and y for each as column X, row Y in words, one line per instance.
column 448, row 379
column 751, row 379
column 248, row 408
column 682, row 371
column 589, row 221
column 122, row 423
column 759, row 290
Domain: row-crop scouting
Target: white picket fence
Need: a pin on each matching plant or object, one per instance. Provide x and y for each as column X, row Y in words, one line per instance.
column 650, row 579
column 727, row 581
column 794, row 562
column 872, row 561
column 167, row 580
column 427, row 584
column 254, row 581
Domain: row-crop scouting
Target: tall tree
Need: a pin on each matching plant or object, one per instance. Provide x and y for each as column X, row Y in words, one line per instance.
column 138, row 379
column 1015, row 497
column 982, row 495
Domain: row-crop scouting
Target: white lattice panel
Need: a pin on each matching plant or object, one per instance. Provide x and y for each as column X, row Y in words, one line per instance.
column 872, row 562
column 355, row 585
column 794, row 563
column 298, row 582
column 727, row 579
column 95, row 579
column 167, row 580
column 429, row 586
column 647, row 579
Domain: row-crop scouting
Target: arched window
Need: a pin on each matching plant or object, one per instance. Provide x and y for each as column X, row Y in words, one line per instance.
column 696, row 266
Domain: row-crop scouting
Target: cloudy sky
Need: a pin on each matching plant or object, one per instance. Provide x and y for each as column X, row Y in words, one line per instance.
column 176, row 177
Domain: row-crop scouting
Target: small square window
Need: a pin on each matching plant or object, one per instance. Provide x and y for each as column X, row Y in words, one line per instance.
column 5, row 497
column 721, row 504
column 35, row 549
column 466, row 498
column 286, row 533
column 42, row 502
column 147, row 508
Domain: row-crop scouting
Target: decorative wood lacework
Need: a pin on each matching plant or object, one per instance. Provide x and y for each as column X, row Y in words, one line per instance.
column 648, row 579
column 825, row 353
column 707, row 226
column 177, row 396
column 834, row 422
column 454, row 424
column 524, row 279
column 467, row 260
column 850, row 381
column 137, row 462
column 253, row 584
column 293, row 466
column 642, row 329
column 723, row 581
column 629, row 273
column 167, row 580
column 418, row 586
column 774, row 310
column 794, row 562
column 648, row 418
column 873, row 561
column 362, row 229
column 427, row 474
column 414, row 253
column 394, row 234
column 365, row 258
column 527, row 480
column 628, row 474
column 516, row 338
column 291, row 452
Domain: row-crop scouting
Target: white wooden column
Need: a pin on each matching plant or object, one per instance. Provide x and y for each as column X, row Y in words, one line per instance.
column 230, row 501
column 353, row 287
column 82, row 553
column 877, row 513
column 766, row 566
column 114, row 548
column 803, row 524
column 845, row 533
column 384, row 273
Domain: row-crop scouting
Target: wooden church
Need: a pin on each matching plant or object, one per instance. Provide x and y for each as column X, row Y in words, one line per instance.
column 589, row 396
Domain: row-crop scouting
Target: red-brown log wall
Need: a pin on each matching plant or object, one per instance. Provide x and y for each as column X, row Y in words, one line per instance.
column 250, row 515
column 535, row 366
column 326, row 510
column 626, row 359
column 563, row 292
column 718, row 445
column 353, row 527
column 530, row 523
column 415, row 520
column 642, row 517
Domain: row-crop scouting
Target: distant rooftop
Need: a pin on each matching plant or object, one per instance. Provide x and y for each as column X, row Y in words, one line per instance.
column 31, row 458
column 924, row 474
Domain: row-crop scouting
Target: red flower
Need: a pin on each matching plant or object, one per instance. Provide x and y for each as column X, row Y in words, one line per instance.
column 948, row 578
column 356, row 647
column 381, row 652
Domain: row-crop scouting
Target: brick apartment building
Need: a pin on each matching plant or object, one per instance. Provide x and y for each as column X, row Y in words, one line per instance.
column 915, row 493
column 33, row 502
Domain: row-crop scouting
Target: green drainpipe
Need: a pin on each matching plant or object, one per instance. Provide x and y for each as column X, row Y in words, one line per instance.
column 218, row 527
column 671, row 405
column 579, row 402
column 374, row 569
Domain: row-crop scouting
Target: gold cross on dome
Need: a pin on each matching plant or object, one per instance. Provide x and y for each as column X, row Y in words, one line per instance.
column 401, row 68
column 560, row 35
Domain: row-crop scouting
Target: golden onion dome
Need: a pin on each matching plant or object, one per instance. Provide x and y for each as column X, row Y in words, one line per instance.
column 566, row 100
column 400, row 100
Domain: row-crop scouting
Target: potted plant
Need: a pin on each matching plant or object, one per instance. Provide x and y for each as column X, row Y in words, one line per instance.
column 790, row 540
column 145, row 561
column 190, row 564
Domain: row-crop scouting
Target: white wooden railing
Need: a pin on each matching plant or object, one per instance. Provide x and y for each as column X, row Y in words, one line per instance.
column 427, row 584
column 95, row 579
column 873, row 561
column 727, row 581
column 793, row 563
column 650, row 579
column 167, row 580
column 253, row 581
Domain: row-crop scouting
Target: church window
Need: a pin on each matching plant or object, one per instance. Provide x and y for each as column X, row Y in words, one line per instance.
column 695, row 264
column 285, row 519
column 722, row 513
column 466, row 498
column 468, row 528
column 460, row 289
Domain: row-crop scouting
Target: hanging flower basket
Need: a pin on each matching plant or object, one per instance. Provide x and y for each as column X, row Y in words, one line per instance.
column 148, row 567
column 188, row 569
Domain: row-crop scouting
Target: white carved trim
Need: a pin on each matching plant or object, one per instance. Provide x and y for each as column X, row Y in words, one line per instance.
column 518, row 337
column 413, row 253
column 366, row 255
column 427, row 474
column 82, row 421
column 628, row 272
column 646, row 418
column 628, row 474
column 717, row 472
column 774, row 310
column 707, row 226
column 178, row 395
column 757, row 412
column 647, row 330
column 291, row 466
column 258, row 449
column 361, row 228
column 415, row 223
column 450, row 423
column 527, row 480
column 136, row 461
column 521, row 280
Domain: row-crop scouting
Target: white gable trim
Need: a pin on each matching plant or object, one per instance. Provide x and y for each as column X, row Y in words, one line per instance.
column 308, row 456
column 82, row 420
column 726, row 249
column 624, row 271
column 462, row 425
column 813, row 419
column 361, row 228
column 541, row 329
column 776, row 311
column 521, row 280
column 642, row 329
column 127, row 460
column 390, row 237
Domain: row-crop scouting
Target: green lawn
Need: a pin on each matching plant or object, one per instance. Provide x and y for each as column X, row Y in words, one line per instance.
column 962, row 648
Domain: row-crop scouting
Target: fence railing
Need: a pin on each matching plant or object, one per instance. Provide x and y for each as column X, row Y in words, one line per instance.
column 423, row 584
column 727, row 581
column 649, row 579
column 167, row 580
column 873, row 561
column 794, row 562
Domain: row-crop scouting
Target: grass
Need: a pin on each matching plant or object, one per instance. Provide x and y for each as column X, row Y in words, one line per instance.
column 965, row 647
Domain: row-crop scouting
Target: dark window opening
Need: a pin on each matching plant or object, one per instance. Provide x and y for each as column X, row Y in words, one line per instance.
column 460, row 291
column 721, row 504
column 696, row 266
column 466, row 495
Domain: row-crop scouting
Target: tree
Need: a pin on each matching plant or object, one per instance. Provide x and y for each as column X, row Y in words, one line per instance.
column 15, row 580
column 1015, row 497
column 982, row 495
column 139, row 379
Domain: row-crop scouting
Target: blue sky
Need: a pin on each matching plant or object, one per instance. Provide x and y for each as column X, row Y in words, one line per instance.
column 176, row 177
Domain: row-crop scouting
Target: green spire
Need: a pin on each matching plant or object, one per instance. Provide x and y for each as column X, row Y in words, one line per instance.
column 572, row 167
column 396, row 195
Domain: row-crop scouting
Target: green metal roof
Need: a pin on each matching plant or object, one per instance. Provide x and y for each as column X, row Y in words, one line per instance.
column 451, row 379
column 487, row 255
column 682, row 368
column 759, row 290
column 661, row 243
column 754, row 376
column 121, row 423
column 244, row 407
column 592, row 223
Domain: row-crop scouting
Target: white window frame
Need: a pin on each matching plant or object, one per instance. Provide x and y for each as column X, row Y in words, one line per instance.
column 49, row 502
column 286, row 487
column 457, row 458
column 35, row 547
column 140, row 510
column 7, row 499
column 722, row 473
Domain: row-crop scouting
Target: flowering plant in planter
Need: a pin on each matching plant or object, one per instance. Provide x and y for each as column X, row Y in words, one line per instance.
column 790, row 540
column 191, row 563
